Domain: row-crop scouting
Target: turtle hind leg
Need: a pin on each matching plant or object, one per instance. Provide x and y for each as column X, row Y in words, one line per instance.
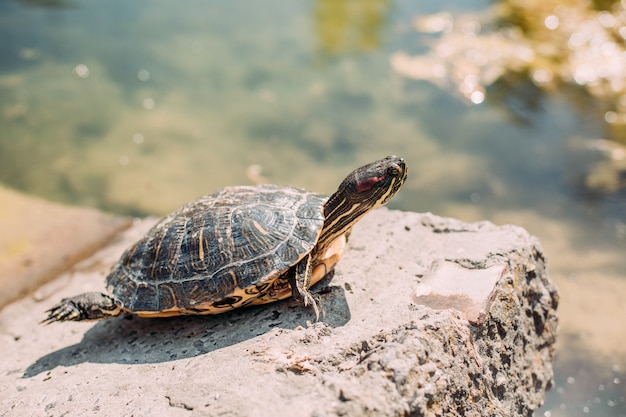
column 83, row 307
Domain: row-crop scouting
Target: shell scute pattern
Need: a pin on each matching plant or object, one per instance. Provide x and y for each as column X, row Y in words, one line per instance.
column 166, row 297
column 146, row 297
column 236, row 238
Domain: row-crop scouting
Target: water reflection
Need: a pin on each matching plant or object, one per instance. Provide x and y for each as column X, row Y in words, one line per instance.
column 348, row 26
column 593, row 387
column 552, row 45
column 45, row 3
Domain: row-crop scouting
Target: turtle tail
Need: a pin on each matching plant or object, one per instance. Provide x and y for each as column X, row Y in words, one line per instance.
column 83, row 307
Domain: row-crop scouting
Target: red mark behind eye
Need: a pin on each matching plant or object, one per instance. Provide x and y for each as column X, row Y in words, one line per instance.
column 368, row 183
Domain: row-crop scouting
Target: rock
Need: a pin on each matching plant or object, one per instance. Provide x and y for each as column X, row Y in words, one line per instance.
column 425, row 316
column 39, row 240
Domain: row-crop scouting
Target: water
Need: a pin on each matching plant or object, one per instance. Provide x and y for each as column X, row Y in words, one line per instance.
column 137, row 107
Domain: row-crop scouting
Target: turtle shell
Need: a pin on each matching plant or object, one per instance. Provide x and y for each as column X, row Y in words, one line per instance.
column 218, row 252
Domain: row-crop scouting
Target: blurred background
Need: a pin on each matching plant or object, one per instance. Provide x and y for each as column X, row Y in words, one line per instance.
column 509, row 111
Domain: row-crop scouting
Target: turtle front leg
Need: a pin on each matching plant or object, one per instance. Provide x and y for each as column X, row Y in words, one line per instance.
column 299, row 277
column 88, row 306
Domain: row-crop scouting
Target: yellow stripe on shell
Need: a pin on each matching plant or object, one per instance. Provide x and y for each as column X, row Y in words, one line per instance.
column 201, row 247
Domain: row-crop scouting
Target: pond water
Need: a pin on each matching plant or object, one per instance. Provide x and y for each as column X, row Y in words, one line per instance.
column 137, row 107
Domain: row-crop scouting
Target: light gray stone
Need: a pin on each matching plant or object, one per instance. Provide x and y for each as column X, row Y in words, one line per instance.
column 39, row 240
column 425, row 316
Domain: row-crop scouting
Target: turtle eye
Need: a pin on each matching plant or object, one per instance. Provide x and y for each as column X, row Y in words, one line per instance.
column 393, row 171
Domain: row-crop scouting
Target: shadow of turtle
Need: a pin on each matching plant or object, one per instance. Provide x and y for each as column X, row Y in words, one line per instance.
column 133, row 340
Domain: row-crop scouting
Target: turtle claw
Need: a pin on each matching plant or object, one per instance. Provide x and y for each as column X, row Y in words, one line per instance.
column 88, row 306
column 312, row 301
column 66, row 310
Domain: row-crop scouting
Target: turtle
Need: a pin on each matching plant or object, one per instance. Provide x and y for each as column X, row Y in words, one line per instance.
column 240, row 246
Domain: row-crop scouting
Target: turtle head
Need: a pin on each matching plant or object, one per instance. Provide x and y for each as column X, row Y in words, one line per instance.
column 366, row 188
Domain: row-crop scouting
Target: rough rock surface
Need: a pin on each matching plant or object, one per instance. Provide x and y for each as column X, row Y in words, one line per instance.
column 31, row 229
column 425, row 316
